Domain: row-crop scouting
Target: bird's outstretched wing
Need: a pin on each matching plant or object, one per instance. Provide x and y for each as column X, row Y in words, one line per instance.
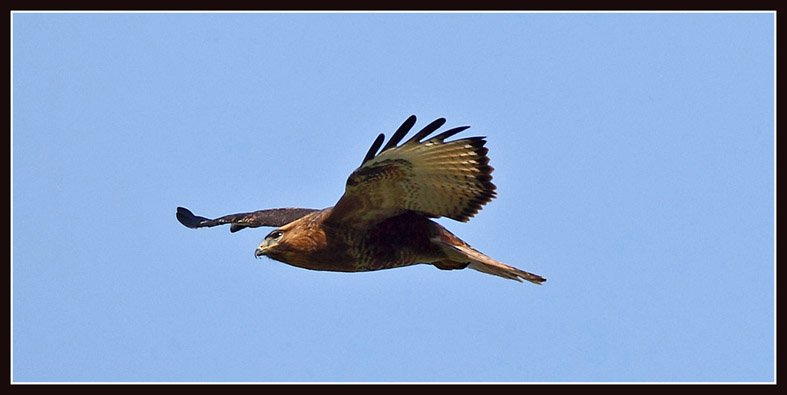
column 433, row 177
column 273, row 217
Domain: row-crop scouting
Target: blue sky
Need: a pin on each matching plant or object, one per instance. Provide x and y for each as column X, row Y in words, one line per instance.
column 633, row 154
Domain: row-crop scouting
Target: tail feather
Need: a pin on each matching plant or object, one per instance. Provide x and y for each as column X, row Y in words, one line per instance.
column 506, row 271
column 485, row 264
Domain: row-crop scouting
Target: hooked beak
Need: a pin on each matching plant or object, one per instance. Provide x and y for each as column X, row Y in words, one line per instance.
column 263, row 248
column 260, row 251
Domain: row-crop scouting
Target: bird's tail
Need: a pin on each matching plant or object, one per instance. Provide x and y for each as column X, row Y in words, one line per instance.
column 485, row 264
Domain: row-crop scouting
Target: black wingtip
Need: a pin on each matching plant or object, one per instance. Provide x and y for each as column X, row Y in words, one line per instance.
column 187, row 218
column 427, row 130
column 448, row 133
column 236, row 227
column 400, row 133
column 373, row 149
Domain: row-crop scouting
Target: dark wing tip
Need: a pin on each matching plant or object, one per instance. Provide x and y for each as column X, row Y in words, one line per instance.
column 373, row 149
column 395, row 139
column 427, row 130
column 236, row 227
column 448, row 133
column 187, row 218
column 400, row 133
column 406, row 126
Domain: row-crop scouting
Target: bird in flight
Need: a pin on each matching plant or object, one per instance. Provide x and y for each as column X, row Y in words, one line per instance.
column 383, row 219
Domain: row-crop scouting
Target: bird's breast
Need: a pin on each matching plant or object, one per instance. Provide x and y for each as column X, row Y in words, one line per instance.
column 398, row 241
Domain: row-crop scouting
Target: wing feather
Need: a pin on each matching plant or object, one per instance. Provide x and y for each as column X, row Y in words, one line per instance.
column 400, row 133
column 427, row 130
column 432, row 177
column 272, row 217
column 373, row 149
column 449, row 133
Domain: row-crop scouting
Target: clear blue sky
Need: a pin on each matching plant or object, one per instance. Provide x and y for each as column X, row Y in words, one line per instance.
column 634, row 158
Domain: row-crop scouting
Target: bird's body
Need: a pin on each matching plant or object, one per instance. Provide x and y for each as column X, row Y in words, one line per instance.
column 399, row 241
column 383, row 219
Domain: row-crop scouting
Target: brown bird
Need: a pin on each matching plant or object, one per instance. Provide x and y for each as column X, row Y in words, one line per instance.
column 383, row 219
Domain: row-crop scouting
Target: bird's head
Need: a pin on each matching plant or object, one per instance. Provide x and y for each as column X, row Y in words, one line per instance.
column 292, row 243
column 273, row 246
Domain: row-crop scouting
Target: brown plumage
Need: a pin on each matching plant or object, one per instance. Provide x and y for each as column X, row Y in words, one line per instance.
column 382, row 220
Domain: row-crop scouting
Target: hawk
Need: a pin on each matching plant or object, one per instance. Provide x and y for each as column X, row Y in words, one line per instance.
column 383, row 220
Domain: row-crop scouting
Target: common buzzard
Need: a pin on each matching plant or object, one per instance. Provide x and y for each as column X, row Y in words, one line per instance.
column 383, row 219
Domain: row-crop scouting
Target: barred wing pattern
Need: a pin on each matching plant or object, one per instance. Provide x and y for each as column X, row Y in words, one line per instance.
column 434, row 177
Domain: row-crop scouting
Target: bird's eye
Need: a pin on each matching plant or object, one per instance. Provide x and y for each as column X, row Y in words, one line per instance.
column 275, row 234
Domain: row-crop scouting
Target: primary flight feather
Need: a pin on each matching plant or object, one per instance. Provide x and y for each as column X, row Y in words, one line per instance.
column 383, row 219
